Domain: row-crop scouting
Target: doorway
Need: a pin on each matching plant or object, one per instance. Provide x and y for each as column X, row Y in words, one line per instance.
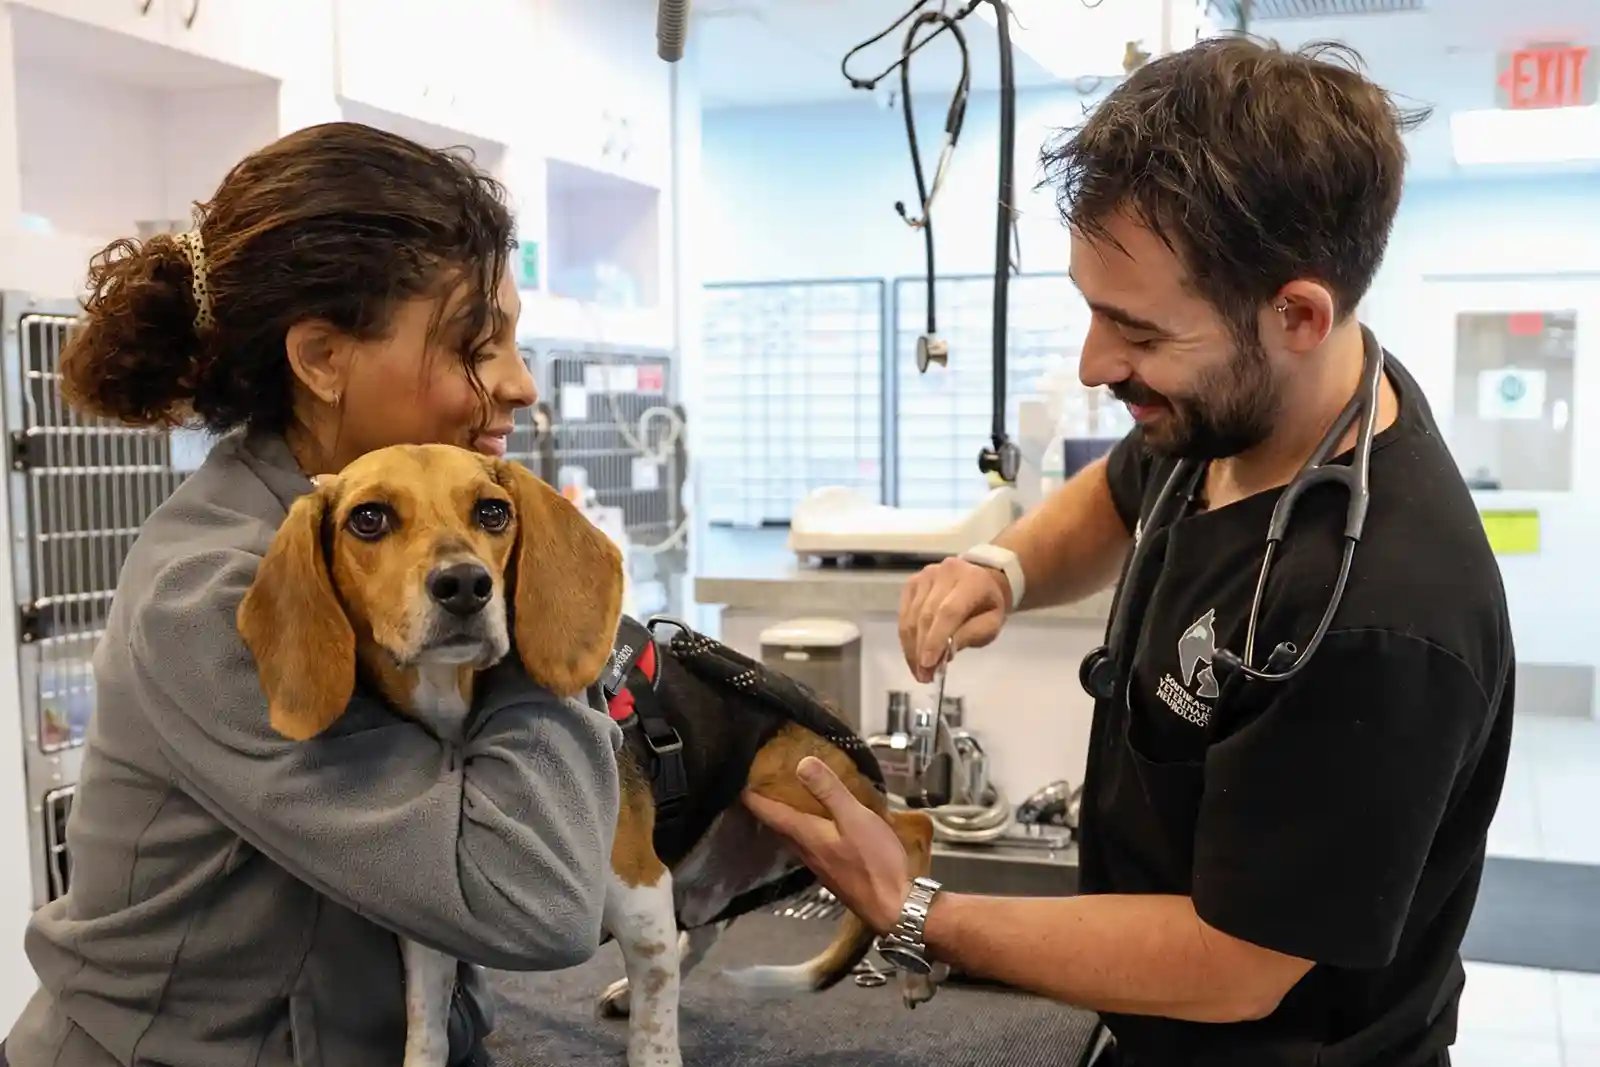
column 1519, row 405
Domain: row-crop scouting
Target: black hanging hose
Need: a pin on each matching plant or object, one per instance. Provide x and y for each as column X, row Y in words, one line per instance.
column 1002, row 457
column 1003, row 224
column 954, row 119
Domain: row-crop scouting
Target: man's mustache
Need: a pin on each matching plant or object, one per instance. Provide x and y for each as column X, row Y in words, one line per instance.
column 1136, row 393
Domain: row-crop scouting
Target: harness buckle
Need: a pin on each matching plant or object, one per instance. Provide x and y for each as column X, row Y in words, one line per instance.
column 671, row 777
column 665, row 747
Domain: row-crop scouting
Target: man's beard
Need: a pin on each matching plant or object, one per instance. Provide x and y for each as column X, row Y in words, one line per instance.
column 1232, row 409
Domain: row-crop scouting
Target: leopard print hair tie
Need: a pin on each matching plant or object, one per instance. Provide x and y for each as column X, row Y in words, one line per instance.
column 194, row 251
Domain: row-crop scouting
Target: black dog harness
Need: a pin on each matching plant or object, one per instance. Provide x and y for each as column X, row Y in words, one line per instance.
column 722, row 667
column 637, row 655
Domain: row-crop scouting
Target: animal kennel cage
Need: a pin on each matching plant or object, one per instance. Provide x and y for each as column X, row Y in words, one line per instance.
column 611, row 428
column 79, row 490
column 794, row 396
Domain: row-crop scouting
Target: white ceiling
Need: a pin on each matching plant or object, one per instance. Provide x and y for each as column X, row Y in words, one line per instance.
column 763, row 52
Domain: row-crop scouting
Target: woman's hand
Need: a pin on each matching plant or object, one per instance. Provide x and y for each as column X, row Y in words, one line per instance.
column 855, row 853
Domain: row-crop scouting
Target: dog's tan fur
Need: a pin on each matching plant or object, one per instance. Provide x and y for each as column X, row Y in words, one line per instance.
column 311, row 615
column 326, row 601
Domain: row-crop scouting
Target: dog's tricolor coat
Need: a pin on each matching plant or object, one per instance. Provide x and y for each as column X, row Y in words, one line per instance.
column 417, row 567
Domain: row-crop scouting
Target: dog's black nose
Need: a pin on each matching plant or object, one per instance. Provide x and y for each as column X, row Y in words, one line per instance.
column 462, row 589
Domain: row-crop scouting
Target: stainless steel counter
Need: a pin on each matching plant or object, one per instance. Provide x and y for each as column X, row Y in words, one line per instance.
column 1033, row 722
column 752, row 570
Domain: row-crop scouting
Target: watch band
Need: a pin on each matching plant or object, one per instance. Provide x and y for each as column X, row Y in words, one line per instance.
column 1003, row 560
column 908, row 932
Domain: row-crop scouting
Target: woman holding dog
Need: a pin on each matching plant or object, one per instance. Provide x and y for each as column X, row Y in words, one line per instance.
column 236, row 894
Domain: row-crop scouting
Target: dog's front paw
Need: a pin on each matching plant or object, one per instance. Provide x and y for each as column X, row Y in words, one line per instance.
column 615, row 1002
column 919, row 988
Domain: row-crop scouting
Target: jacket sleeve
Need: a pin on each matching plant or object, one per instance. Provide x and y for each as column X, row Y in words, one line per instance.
column 495, row 852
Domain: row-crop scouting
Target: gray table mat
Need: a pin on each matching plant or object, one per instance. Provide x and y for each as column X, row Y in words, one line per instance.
column 546, row 1020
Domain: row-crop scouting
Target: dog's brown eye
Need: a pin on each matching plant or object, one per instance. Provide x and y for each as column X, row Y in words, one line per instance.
column 368, row 522
column 494, row 515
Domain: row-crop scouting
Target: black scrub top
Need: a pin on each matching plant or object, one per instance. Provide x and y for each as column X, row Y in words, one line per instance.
column 1340, row 816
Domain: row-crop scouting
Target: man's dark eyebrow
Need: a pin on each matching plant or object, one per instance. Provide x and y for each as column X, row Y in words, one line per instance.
column 1120, row 317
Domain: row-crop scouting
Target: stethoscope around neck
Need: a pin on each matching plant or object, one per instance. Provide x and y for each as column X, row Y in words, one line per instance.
column 1108, row 669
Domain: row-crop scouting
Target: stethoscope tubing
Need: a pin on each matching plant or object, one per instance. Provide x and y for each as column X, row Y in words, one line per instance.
column 1104, row 671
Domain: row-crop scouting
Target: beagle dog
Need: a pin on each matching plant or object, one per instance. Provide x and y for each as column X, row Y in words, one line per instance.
column 418, row 566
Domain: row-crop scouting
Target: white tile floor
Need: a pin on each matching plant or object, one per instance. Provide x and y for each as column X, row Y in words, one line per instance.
column 1519, row 1016
column 1552, row 792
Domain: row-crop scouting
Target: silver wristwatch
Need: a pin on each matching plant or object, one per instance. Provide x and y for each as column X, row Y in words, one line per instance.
column 904, row 946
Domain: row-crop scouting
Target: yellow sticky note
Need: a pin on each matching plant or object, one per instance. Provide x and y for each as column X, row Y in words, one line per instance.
column 1512, row 532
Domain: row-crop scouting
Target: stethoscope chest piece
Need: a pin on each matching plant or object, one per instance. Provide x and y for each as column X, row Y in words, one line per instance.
column 931, row 350
column 1098, row 674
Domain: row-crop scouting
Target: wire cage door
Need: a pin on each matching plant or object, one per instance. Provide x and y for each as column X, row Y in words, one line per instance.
column 794, row 396
column 613, row 431
column 80, row 490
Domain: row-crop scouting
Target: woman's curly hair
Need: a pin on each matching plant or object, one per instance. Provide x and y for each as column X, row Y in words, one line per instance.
column 339, row 222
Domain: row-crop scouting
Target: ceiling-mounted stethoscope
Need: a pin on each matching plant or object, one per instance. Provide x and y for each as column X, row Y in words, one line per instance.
column 1003, row 457
column 1106, row 673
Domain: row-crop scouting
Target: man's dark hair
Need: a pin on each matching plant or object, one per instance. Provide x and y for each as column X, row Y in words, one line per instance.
column 1256, row 165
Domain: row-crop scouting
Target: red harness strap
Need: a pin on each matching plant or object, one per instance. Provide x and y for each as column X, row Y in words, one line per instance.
column 621, row 704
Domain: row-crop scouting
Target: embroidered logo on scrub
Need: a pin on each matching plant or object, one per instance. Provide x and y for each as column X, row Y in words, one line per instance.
column 1196, row 650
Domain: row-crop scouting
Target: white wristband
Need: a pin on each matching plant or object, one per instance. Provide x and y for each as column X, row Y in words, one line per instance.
column 1003, row 560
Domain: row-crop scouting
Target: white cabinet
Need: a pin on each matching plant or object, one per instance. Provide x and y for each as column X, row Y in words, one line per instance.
column 144, row 19
column 116, row 134
column 605, row 127
column 282, row 38
column 272, row 37
column 612, row 94
column 426, row 60
column 566, row 100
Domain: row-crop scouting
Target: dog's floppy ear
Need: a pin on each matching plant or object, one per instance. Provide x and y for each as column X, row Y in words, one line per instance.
column 568, row 582
column 296, row 628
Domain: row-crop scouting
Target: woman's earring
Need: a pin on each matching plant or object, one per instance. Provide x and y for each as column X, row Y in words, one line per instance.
column 1281, row 308
column 334, row 399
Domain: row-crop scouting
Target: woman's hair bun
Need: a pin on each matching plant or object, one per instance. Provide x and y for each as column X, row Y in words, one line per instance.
column 338, row 224
column 135, row 356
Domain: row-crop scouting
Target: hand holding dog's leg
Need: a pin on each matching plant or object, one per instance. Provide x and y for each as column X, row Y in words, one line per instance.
column 852, row 850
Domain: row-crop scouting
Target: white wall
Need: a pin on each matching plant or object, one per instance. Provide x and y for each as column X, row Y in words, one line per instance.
column 808, row 192
column 1511, row 245
column 1524, row 227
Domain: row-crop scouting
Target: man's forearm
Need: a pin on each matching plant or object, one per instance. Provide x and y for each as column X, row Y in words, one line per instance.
column 1072, row 545
column 1133, row 955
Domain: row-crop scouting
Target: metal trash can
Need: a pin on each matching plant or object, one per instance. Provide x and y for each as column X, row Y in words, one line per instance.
column 825, row 654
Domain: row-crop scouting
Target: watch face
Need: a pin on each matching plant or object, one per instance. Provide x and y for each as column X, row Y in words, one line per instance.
column 904, row 958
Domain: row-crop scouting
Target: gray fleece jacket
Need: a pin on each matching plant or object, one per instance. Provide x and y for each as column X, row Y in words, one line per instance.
column 235, row 895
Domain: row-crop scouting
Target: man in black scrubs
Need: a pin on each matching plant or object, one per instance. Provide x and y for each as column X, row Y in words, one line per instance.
column 1273, row 873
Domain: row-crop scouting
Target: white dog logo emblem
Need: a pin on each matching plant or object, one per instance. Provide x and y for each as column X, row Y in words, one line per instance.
column 1197, row 646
